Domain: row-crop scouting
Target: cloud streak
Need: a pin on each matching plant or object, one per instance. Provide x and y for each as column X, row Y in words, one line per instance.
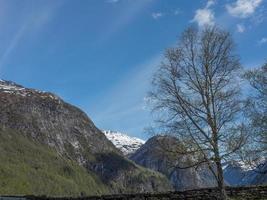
column 157, row 15
column 129, row 11
column 122, row 107
column 240, row 28
column 34, row 22
column 112, row 1
column 13, row 43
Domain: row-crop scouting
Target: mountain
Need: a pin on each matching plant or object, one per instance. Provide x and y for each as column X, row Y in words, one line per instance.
column 28, row 167
column 128, row 145
column 57, row 142
column 237, row 175
column 157, row 154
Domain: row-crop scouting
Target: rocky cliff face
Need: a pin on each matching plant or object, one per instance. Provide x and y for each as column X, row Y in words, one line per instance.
column 157, row 155
column 49, row 120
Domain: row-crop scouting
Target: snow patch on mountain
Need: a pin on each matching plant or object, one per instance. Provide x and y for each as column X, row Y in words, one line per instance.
column 13, row 88
column 239, row 174
column 127, row 144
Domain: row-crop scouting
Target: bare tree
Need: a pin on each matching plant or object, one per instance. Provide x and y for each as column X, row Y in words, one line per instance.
column 196, row 93
column 254, row 153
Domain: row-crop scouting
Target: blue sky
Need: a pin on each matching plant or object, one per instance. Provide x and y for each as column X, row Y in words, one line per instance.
column 100, row 54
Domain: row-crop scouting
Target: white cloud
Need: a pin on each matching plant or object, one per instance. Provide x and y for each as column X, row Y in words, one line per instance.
column 157, row 15
column 240, row 28
column 204, row 17
column 263, row 40
column 210, row 3
column 243, row 8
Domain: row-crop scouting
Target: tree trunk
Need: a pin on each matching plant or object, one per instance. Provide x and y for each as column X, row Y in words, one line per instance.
column 220, row 181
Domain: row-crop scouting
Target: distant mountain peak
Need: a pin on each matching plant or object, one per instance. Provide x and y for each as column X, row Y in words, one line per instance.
column 239, row 174
column 127, row 144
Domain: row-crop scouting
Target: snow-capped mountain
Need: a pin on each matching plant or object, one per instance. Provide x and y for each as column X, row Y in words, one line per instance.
column 15, row 89
column 238, row 174
column 122, row 141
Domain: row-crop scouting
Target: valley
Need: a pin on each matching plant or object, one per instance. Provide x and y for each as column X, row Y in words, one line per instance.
column 49, row 147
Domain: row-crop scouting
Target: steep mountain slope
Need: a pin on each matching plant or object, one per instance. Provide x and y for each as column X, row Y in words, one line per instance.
column 236, row 175
column 27, row 167
column 154, row 155
column 128, row 145
column 233, row 174
column 46, row 119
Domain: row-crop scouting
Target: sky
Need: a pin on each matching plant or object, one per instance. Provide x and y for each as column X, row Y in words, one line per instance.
column 100, row 55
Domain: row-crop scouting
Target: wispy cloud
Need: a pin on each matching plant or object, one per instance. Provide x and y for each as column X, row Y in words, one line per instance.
column 13, row 43
column 126, row 14
column 177, row 12
column 259, row 16
column 240, row 28
column 112, row 1
column 243, row 8
column 31, row 23
column 121, row 105
column 205, row 16
column 210, row 3
column 157, row 15
column 262, row 40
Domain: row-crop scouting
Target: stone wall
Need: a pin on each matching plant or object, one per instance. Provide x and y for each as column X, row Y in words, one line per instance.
column 244, row 193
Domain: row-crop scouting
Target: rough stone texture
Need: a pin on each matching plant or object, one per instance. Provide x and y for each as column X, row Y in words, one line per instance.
column 157, row 154
column 46, row 118
column 244, row 193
